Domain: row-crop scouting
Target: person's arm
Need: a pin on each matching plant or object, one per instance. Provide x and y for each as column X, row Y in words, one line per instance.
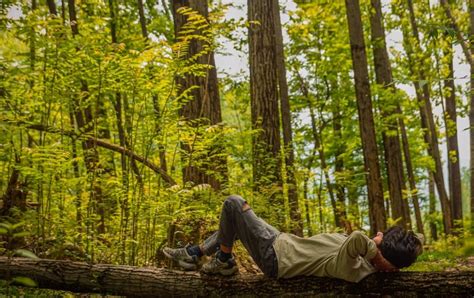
column 357, row 244
column 360, row 245
column 348, row 263
column 381, row 264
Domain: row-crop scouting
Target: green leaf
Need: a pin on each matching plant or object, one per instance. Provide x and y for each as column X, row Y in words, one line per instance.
column 3, row 231
column 25, row 253
column 17, row 225
column 6, row 226
column 26, row 281
column 21, row 234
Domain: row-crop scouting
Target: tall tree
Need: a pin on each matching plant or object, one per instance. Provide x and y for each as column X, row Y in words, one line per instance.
column 422, row 92
column 454, row 170
column 366, row 120
column 267, row 159
column 295, row 215
column 471, row 112
column 339, row 169
column 203, row 108
column 432, row 207
column 391, row 138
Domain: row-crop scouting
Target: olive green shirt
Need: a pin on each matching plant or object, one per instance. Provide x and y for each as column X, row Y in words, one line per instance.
column 331, row 255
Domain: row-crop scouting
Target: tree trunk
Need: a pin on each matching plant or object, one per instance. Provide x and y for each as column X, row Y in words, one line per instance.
column 295, row 215
column 141, row 13
column 15, row 194
column 339, row 169
column 411, row 175
column 318, row 146
column 150, row 281
column 432, row 210
column 391, row 140
column 52, row 7
column 377, row 216
column 471, row 116
column 204, row 105
column 454, row 171
column 306, row 205
column 267, row 161
column 427, row 122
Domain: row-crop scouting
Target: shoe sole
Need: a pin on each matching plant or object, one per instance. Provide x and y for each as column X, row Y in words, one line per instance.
column 183, row 264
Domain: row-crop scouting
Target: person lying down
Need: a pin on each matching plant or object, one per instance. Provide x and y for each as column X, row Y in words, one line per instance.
column 283, row 255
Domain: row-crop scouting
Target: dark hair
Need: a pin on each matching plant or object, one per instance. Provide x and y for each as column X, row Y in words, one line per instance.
column 400, row 247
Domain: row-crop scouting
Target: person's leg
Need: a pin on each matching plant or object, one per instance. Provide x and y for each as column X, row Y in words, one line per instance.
column 210, row 245
column 188, row 257
column 238, row 221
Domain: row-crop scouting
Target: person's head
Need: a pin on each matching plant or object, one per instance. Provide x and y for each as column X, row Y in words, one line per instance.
column 398, row 246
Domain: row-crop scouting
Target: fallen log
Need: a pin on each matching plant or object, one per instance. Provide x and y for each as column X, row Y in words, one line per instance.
column 150, row 281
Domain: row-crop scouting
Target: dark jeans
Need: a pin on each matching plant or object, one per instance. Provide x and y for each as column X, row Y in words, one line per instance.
column 255, row 234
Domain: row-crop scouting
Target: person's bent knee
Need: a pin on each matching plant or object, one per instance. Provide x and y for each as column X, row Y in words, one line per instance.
column 234, row 201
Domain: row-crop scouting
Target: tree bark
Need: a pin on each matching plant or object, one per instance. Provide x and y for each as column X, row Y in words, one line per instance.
column 391, row 140
column 150, row 281
column 426, row 116
column 411, row 175
column 295, row 215
column 471, row 115
column 204, row 105
column 450, row 119
column 141, row 13
column 377, row 215
column 266, row 148
column 15, row 194
column 52, row 7
column 339, row 169
column 432, row 206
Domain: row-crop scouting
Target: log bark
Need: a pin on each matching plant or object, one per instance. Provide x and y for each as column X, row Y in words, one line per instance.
column 158, row 282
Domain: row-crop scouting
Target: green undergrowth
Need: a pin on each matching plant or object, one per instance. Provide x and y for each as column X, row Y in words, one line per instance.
column 447, row 254
column 26, row 292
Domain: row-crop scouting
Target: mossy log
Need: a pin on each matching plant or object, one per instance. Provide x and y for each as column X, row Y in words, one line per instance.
column 150, row 281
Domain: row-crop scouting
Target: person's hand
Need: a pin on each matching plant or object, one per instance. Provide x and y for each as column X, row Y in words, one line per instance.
column 382, row 265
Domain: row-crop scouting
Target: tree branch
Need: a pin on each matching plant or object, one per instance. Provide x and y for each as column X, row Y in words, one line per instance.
column 99, row 142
